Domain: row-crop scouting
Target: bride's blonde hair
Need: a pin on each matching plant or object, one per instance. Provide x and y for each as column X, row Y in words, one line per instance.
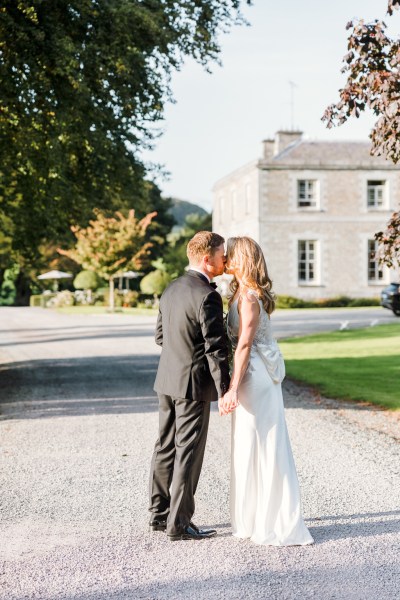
column 250, row 264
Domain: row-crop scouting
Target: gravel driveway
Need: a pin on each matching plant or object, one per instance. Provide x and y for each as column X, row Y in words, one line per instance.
column 77, row 425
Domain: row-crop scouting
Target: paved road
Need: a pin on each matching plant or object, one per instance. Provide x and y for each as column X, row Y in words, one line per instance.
column 288, row 323
column 78, row 420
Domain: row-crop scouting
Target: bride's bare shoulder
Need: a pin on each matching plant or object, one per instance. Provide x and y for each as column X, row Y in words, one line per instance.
column 248, row 294
column 248, row 297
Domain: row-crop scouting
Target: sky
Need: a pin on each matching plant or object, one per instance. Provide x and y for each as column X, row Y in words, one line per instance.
column 219, row 120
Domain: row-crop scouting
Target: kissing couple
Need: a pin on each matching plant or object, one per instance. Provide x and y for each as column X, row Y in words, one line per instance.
column 194, row 371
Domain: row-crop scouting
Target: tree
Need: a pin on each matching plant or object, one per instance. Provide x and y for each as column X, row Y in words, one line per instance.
column 174, row 256
column 372, row 65
column 389, row 242
column 111, row 245
column 83, row 82
column 7, row 286
column 89, row 281
column 180, row 209
column 155, row 282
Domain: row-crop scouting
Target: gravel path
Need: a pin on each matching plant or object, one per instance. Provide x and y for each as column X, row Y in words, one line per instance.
column 77, row 425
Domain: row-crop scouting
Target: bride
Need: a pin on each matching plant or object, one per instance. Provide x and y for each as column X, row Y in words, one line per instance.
column 265, row 495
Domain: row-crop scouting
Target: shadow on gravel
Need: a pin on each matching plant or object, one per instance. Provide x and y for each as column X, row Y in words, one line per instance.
column 389, row 513
column 95, row 385
column 85, row 335
column 355, row 582
column 355, row 526
column 78, row 386
column 58, row 330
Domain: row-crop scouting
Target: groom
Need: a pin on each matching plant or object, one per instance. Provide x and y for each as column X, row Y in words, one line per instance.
column 193, row 371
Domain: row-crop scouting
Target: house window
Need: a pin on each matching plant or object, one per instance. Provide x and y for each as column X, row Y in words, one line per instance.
column 376, row 193
column 307, row 261
column 247, row 198
column 374, row 272
column 234, row 207
column 307, row 193
column 221, row 209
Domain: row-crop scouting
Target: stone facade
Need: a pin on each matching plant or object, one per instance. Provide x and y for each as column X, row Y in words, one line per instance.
column 314, row 208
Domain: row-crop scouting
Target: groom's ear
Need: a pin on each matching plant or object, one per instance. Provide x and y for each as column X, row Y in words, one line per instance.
column 205, row 260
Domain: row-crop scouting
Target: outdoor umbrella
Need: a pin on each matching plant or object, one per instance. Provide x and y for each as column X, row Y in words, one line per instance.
column 55, row 275
column 128, row 275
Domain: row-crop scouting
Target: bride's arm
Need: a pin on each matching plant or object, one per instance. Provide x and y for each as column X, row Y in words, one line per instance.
column 249, row 312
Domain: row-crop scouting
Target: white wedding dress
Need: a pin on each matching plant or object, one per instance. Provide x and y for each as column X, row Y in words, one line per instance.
column 265, row 495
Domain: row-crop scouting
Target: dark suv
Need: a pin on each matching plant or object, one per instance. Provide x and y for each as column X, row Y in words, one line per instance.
column 390, row 298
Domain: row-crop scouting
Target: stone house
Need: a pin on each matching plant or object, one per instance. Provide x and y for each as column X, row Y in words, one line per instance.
column 314, row 208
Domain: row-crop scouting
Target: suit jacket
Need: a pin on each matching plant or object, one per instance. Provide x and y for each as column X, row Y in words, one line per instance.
column 190, row 330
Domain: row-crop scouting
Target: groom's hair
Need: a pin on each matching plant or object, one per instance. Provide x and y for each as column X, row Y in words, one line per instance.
column 204, row 242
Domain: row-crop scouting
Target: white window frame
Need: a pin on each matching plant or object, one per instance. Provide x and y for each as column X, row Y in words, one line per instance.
column 378, row 275
column 221, row 209
column 234, row 205
column 247, row 198
column 311, row 199
column 311, row 262
column 379, row 187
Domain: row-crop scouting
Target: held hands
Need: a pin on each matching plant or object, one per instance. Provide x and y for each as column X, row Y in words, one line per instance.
column 228, row 403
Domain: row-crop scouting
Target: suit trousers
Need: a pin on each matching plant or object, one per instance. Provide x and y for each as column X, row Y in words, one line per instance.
column 177, row 460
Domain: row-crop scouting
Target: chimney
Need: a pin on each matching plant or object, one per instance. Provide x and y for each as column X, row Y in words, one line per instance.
column 283, row 139
column 268, row 149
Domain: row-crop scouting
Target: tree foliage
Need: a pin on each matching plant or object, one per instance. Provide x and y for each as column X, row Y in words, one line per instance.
column 87, row 280
column 155, row 282
column 111, row 245
column 7, row 287
column 372, row 66
column 82, row 83
column 174, row 256
column 389, row 242
column 180, row 209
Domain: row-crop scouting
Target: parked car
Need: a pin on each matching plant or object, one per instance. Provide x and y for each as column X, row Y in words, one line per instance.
column 390, row 298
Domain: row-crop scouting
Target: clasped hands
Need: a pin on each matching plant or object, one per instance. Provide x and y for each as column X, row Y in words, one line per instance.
column 228, row 402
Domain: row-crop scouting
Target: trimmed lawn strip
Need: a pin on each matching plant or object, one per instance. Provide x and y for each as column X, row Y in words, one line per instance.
column 360, row 364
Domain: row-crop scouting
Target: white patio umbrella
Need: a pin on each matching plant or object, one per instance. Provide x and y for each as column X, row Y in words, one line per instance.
column 55, row 275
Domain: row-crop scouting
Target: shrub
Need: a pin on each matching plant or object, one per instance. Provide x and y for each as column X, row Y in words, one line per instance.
column 118, row 299
column 83, row 297
column 336, row 302
column 365, row 302
column 100, row 295
column 87, row 280
column 155, row 282
column 7, row 289
column 42, row 300
column 130, row 298
column 292, row 302
column 36, row 300
column 64, row 298
column 147, row 301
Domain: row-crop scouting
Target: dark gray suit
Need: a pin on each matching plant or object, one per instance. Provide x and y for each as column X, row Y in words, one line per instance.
column 193, row 371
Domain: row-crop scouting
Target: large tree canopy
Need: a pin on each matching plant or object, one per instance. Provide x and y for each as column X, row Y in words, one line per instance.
column 372, row 65
column 82, row 83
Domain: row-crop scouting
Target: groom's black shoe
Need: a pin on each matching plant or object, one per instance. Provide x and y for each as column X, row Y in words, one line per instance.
column 158, row 524
column 191, row 532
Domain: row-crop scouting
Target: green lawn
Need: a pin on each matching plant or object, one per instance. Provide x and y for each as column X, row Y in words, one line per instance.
column 360, row 364
column 98, row 310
